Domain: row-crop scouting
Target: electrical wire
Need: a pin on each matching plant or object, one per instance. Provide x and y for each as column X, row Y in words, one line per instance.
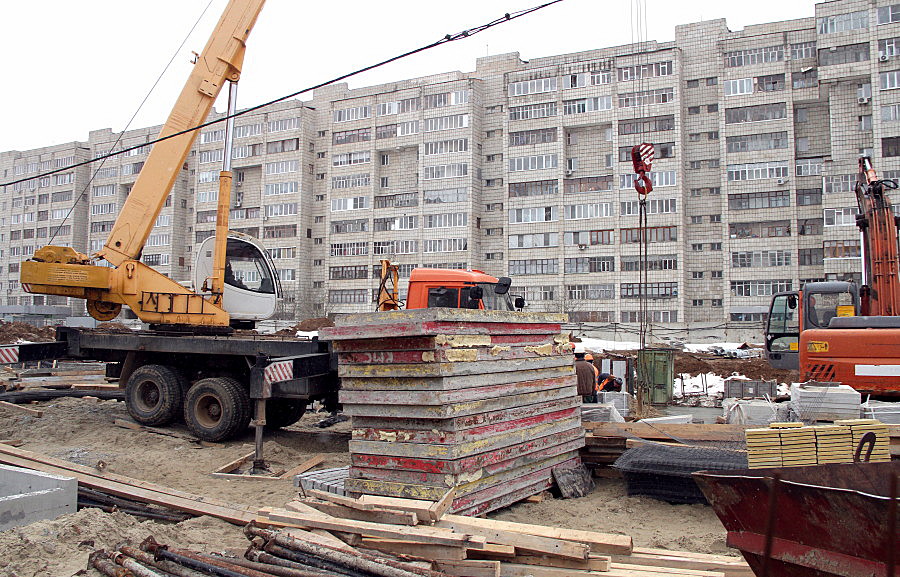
column 87, row 186
column 508, row 17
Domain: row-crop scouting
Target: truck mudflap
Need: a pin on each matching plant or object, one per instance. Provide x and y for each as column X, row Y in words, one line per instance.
column 299, row 376
column 25, row 352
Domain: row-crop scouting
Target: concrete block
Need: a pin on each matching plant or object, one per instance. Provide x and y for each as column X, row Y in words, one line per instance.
column 27, row 496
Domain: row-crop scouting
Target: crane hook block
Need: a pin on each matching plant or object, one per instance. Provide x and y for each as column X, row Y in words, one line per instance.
column 642, row 157
column 643, row 184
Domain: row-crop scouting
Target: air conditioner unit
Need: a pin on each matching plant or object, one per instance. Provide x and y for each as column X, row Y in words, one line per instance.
column 570, row 172
column 883, row 57
column 862, row 100
column 780, row 181
column 239, row 184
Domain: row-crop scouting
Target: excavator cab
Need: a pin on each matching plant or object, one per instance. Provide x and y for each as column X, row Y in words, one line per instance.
column 252, row 288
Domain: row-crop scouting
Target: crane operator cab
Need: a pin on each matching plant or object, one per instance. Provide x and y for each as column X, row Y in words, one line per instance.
column 252, row 288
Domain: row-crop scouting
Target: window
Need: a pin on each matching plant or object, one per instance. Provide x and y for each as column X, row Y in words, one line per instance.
column 643, row 125
column 349, row 181
column 754, row 56
column 811, row 257
column 583, row 105
column 663, row 150
column 756, row 142
column 348, row 296
column 350, row 249
column 535, row 162
column 534, row 240
column 535, row 214
column 588, row 237
column 758, row 171
column 889, row 80
column 533, row 266
column 646, row 97
column 533, row 188
column 278, row 188
column 591, row 292
column 446, row 195
column 654, row 234
column 348, row 114
column 808, row 79
column 755, row 200
column 809, row 196
column 810, row 226
column 654, row 206
column 843, row 22
column 770, row 83
column 839, row 183
column 444, row 220
column 282, row 167
column 840, row 216
column 584, row 184
column 283, row 209
column 354, row 203
column 445, row 146
column 761, row 258
column 765, row 229
column 350, row 136
column 654, row 262
column 445, row 245
column 756, row 113
column 397, row 200
column 803, row 50
column 890, row 146
column 345, row 159
column 446, row 122
column 888, row 14
column 538, row 136
column 530, row 111
column 653, row 290
column 456, row 170
column 809, row 166
column 645, row 71
column 582, row 211
column 659, row 179
column 531, row 86
column 739, row 86
column 759, row 288
column 841, row 249
column 844, row 54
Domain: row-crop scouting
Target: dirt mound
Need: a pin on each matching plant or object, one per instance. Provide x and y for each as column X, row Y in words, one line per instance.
column 307, row 326
column 62, row 546
column 15, row 332
column 113, row 327
column 755, row 368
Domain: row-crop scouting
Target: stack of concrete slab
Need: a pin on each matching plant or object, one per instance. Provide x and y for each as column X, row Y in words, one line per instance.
column 885, row 412
column 481, row 401
column 27, row 496
column 814, row 403
column 328, row 480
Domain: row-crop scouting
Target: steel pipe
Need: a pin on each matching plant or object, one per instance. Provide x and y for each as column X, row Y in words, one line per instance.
column 132, row 565
column 304, row 560
column 99, row 561
column 280, row 570
column 167, row 566
column 161, row 551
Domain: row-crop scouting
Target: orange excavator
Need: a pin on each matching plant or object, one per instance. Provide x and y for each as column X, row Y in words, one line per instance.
column 448, row 288
column 839, row 331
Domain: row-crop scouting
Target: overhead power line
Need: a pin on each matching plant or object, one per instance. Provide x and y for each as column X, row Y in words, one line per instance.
column 508, row 17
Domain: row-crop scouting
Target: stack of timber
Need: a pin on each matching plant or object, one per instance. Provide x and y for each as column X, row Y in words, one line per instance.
column 881, row 450
column 476, row 547
column 795, row 445
column 481, row 401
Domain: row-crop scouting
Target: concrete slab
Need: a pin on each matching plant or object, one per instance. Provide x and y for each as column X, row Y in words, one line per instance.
column 27, row 496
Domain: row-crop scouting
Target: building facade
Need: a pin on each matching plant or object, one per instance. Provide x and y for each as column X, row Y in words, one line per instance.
column 523, row 169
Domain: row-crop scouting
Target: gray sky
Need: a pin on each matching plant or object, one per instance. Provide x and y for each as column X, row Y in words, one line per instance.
column 72, row 67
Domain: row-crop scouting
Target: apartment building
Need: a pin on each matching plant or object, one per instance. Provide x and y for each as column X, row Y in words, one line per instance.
column 523, row 169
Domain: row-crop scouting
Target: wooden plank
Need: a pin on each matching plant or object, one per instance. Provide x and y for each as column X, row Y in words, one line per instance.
column 96, row 386
column 519, row 570
column 437, row 510
column 494, row 551
column 666, row 432
column 135, row 490
column 599, row 542
column 524, row 541
column 37, row 413
column 662, row 570
column 229, row 467
column 123, row 486
column 12, row 442
column 412, row 549
column 469, row 568
column 393, row 517
column 422, row 509
column 341, row 500
column 678, row 560
column 593, row 563
column 319, row 538
column 304, row 466
column 418, row 534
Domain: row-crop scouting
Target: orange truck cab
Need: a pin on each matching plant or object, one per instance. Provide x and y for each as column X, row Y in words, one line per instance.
column 465, row 289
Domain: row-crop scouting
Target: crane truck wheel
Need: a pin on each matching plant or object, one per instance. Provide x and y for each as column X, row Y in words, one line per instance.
column 283, row 412
column 217, row 408
column 154, row 394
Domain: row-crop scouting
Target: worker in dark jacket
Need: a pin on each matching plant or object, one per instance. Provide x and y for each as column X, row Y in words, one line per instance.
column 608, row 382
column 586, row 375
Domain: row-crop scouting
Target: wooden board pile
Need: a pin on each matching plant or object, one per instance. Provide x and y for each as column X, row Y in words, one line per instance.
column 478, row 547
column 484, row 401
column 795, row 445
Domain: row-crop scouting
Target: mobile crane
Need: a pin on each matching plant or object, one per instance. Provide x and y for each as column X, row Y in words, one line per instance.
column 190, row 365
column 841, row 332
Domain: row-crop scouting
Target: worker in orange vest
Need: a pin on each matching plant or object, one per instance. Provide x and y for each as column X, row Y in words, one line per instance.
column 586, row 375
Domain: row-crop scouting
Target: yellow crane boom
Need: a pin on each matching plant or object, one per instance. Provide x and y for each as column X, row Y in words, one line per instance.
column 154, row 297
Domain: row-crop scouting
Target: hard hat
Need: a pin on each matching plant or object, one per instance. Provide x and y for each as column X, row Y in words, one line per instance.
column 579, row 348
column 589, row 357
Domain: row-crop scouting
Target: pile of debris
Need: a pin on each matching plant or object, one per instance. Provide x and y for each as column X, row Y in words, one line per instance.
column 12, row 333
